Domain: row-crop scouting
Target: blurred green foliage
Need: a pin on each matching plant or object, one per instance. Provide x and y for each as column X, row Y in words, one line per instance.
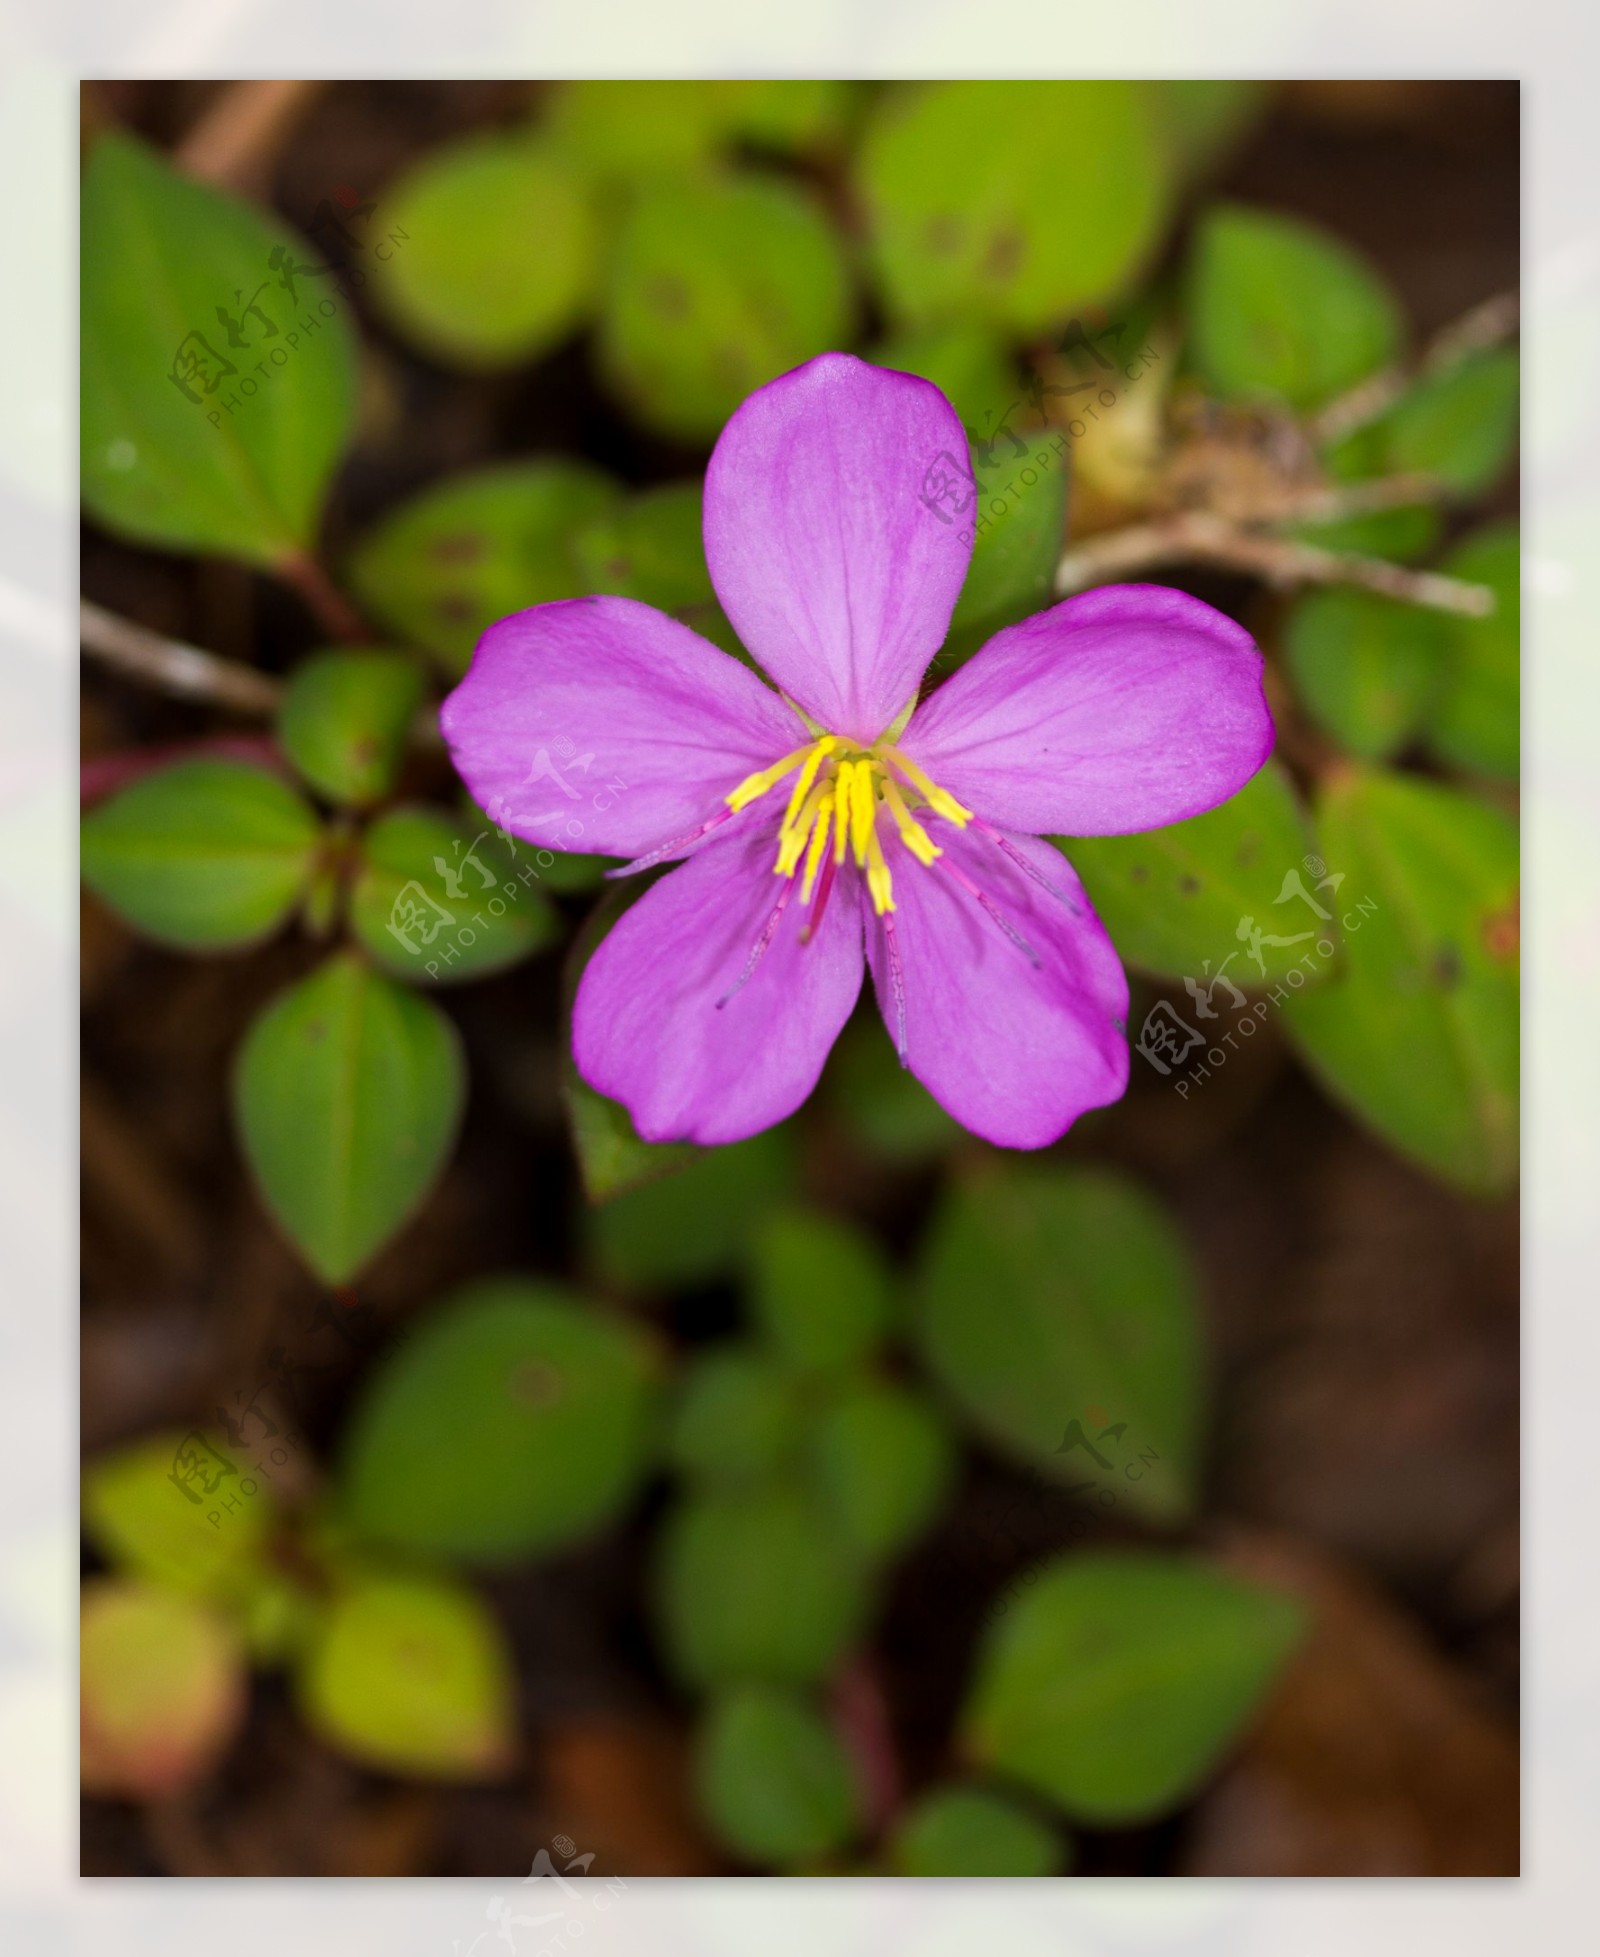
column 1119, row 1680
column 697, row 238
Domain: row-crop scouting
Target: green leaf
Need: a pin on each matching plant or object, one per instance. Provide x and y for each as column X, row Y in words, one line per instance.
column 697, row 1226
column 1368, row 667
column 650, row 547
column 1173, row 898
column 819, row 1290
column 347, row 1094
column 1280, row 308
column 443, row 568
column 1477, row 721
column 164, row 1691
column 204, row 855
column 433, row 902
column 345, row 720
column 1118, row 1683
column 516, row 1420
column 1059, row 1311
column 501, row 251
column 411, row 1675
column 189, row 441
column 611, row 1157
column 625, row 130
column 886, row 1109
column 738, row 1420
column 775, row 1783
column 1010, row 202
column 884, row 1462
column 1419, row 1034
column 717, row 287
column 1459, row 426
column 172, row 1508
column 1201, row 121
column 968, row 1831
column 756, row 1584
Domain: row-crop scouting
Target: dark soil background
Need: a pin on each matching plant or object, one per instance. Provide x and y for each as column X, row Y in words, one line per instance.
column 1364, row 1323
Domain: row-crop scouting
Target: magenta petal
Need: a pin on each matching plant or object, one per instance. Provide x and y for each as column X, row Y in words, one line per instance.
column 646, row 1026
column 1124, row 709
column 602, row 726
column 836, row 565
column 1015, row 1052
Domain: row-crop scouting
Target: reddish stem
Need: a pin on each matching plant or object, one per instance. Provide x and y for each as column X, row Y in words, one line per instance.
column 333, row 610
column 103, row 774
column 861, row 1717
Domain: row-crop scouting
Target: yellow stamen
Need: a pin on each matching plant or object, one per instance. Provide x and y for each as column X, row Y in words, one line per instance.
column 814, row 855
column 863, row 807
column 841, row 811
column 912, row 834
column 792, row 840
column 879, row 881
column 753, row 787
column 820, row 750
column 938, row 799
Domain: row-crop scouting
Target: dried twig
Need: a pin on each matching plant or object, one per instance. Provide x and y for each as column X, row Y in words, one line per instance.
column 172, row 667
column 1486, row 325
column 1279, row 560
column 243, row 129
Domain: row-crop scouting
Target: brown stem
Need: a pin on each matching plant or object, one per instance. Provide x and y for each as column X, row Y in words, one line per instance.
column 172, row 667
column 1199, row 536
column 862, row 1720
column 1485, row 325
column 334, row 611
column 243, row 128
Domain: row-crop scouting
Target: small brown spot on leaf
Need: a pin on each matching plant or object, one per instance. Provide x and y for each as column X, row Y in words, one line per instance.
column 535, row 1384
column 459, row 547
column 1502, row 932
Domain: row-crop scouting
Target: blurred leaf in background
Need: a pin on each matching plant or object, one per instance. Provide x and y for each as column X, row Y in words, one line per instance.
column 1053, row 1306
column 1367, row 667
column 218, row 365
column 205, row 855
column 1419, row 1033
column 345, row 720
column 472, row 549
column 1013, row 203
column 515, row 1421
column 1173, row 898
column 1476, row 722
column 974, row 1831
column 501, row 250
column 1118, row 1682
column 717, row 287
column 776, row 1784
column 410, row 1674
column 347, row 1094
column 163, row 1690
column 1280, row 308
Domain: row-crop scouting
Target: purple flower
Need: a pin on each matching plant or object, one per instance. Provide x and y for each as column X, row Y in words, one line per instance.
column 841, row 817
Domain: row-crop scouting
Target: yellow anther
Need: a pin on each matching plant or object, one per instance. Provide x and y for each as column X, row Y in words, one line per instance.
column 941, row 802
column 819, row 752
column 814, row 855
column 841, row 811
column 753, row 787
column 792, row 840
column 879, row 881
column 912, row 834
column 863, row 808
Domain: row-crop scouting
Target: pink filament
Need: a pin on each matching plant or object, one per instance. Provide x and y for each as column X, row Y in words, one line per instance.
column 1009, row 848
column 759, row 951
column 992, row 908
column 676, row 847
column 897, row 984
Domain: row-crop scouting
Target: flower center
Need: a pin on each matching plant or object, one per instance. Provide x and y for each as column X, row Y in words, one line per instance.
column 838, row 794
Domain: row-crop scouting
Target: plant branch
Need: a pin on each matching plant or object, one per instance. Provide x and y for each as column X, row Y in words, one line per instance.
column 1210, row 539
column 1486, row 325
column 172, row 667
column 332, row 609
column 241, row 131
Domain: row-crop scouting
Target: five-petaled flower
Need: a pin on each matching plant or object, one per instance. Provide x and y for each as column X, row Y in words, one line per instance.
column 844, row 817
